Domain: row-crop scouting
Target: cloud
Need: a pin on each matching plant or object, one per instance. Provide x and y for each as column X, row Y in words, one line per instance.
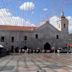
column 6, row 18
column 70, row 23
column 27, row 6
column 5, row 12
column 54, row 20
column 45, row 9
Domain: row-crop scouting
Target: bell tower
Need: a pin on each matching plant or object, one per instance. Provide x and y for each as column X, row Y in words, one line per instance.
column 63, row 23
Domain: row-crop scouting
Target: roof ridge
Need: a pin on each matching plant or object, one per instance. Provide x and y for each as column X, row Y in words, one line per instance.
column 9, row 27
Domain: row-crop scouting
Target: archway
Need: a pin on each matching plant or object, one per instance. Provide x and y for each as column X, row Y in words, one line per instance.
column 12, row 49
column 16, row 49
column 47, row 46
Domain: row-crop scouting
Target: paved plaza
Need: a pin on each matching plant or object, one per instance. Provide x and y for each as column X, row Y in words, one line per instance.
column 48, row 62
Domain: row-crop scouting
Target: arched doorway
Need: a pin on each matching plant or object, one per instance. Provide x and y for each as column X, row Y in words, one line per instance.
column 47, row 46
column 12, row 49
column 16, row 49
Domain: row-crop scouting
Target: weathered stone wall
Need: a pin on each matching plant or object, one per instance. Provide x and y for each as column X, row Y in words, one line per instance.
column 46, row 33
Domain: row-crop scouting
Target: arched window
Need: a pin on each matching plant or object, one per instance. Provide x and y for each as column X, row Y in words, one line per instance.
column 57, row 36
column 12, row 39
column 36, row 36
column 25, row 37
column 64, row 25
column 2, row 39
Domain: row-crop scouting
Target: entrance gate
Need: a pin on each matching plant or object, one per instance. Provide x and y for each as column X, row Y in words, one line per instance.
column 47, row 46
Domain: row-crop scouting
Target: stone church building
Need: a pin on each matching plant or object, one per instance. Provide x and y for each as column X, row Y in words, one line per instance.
column 35, row 37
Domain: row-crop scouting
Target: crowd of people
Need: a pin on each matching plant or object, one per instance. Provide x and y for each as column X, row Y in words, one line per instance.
column 25, row 49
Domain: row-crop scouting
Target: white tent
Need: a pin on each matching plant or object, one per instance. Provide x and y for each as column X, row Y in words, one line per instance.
column 1, row 46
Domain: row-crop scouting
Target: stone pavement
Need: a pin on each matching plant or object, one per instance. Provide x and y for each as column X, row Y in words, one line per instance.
column 36, row 63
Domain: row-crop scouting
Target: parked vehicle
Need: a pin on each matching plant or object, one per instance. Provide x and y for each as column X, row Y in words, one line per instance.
column 64, row 50
column 3, row 52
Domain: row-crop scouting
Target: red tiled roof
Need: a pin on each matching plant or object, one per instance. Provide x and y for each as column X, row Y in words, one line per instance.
column 21, row 28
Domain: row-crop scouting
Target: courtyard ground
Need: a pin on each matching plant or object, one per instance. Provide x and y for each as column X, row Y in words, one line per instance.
column 42, row 62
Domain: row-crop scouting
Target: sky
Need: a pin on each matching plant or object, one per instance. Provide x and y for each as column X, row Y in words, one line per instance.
column 32, row 12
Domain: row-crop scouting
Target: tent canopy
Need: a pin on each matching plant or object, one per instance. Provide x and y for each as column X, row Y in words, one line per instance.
column 69, row 45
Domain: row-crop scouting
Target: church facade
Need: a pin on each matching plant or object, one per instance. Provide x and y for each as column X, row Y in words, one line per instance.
column 35, row 37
